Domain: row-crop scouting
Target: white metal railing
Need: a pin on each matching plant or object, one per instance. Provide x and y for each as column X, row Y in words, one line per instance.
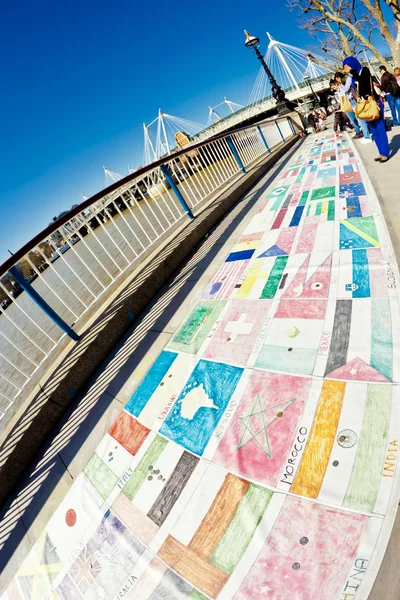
column 71, row 266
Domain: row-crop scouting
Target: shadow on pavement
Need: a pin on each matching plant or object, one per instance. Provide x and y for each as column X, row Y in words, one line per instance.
column 48, row 467
column 394, row 145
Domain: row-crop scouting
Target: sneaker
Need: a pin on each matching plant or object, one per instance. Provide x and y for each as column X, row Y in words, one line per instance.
column 366, row 141
column 358, row 136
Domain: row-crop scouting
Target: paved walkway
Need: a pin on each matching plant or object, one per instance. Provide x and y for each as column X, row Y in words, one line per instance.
column 385, row 180
column 256, row 454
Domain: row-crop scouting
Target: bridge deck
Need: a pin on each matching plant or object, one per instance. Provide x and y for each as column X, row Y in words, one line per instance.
column 256, row 452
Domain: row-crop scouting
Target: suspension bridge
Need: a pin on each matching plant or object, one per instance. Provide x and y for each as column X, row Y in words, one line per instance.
column 292, row 67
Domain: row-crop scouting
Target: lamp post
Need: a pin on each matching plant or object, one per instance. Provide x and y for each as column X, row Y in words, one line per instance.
column 317, row 101
column 283, row 106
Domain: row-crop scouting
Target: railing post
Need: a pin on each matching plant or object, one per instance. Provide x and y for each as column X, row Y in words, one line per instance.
column 235, row 153
column 280, row 132
column 167, row 175
column 263, row 138
column 46, row 308
column 291, row 125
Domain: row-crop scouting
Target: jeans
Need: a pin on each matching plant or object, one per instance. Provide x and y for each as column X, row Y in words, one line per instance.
column 353, row 119
column 394, row 105
column 379, row 133
column 363, row 124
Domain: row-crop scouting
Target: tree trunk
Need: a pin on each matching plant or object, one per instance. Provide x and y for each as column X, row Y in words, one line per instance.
column 395, row 48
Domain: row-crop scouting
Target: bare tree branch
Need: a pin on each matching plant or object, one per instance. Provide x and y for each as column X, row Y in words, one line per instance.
column 348, row 25
column 394, row 5
column 375, row 9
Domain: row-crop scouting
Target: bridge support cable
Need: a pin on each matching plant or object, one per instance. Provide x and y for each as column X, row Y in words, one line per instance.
column 160, row 134
column 289, row 65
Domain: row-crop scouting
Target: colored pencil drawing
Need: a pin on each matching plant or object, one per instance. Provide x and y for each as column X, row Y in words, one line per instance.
column 257, row 457
column 261, row 432
column 226, row 281
column 107, row 558
column 201, row 404
column 207, row 552
column 240, row 326
column 361, row 342
column 353, row 419
column 362, row 274
column 312, row 547
column 358, row 232
column 197, row 327
column 293, row 339
column 158, row 582
column 153, row 488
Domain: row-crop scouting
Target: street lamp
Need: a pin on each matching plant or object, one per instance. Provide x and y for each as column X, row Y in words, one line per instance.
column 317, row 101
column 283, row 106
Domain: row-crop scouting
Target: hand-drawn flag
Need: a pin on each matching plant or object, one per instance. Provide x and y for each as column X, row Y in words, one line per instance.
column 359, row 232
column 37, row 572
column 215, row 530
column 352, row 189
column 243, row 250
column 264, row 278
column 260, row 435
column 277, row 242
column 159, row 389
column 355, row 206
column 158, row 581
column 293, row 339
column 201, row 404
column 310, row 282
column 108, row 556
column 321, row 211
column 81, row 508
column 227, row 279
column 301, row 535
column 354, row 420
column 315, row 236
column 362, row 274
column 323, row 193
column 349, row 174
column 237, row 332
column 276, row 196
column 164, row 475
column 197, row 326
column 361, row 346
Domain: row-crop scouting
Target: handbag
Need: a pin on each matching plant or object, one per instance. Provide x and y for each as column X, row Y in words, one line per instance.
column 345, row 105
column 369, row 109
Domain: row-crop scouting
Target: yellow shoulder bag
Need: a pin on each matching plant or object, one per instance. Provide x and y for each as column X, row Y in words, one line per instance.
column 368, row 110
column 345, row 105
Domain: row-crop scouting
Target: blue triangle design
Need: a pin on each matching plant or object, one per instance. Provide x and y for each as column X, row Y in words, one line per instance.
column 273, row 251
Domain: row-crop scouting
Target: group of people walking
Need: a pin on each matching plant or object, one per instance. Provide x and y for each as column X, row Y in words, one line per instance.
column 362, row 102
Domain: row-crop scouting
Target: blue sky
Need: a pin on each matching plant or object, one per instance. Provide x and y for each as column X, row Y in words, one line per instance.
column 80, row 78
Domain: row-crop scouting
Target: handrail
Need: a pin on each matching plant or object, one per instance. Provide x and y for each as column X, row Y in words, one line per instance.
column 96, row 249
column 79, row 208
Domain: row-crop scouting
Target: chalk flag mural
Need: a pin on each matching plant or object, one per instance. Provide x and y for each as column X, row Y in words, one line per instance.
column 261, row 433
column 257, row 458
column 201, row 404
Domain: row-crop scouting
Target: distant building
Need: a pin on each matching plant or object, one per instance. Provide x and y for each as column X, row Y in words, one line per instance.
column 69, row 229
